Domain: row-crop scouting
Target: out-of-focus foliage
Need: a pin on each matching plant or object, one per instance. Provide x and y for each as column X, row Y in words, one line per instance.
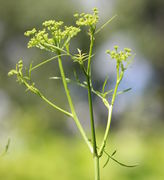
column 57, row 158
column 145, row 17
column 146, row 20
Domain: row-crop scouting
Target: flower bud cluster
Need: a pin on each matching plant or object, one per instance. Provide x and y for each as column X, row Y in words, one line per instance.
column 52, row 25
column 39, row 39
column 53, row 34
column 121, row 55
column 30, row 33
column 18, row 71
column 87, row 19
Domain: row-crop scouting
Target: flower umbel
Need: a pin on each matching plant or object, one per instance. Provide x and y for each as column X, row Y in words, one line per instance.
column 23, row 79
column 121, row 55
column 121, row 58
column 53, row 36
column 87, row 19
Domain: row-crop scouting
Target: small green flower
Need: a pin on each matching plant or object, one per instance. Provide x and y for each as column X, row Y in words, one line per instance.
column 12, row 72
column 71, row 31
column 76, row 15
column 116, row 47
column 87, row 19
column 52, row 35
column 121, row 57
column 127, row 50
column 30, row 33
column 108, row 51
column 23, row 79
column 52, row 25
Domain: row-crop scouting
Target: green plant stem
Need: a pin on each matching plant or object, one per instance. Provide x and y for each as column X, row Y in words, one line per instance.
column 36, row 91
column 90, row 97
column 97, row 168
column 92, row 118
column 105, row 24
column 72, row 106
column 56, row 107
column 90, row 54
column 46, row 61
column 95, row 154
column 110, row 110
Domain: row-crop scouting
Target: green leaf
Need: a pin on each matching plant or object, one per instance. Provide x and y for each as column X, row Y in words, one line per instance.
column 6, row 147
column 12, row 72
column 30, row 69
column 76, row 76
column 130, row 61
column 104, row 84
column 105, row 24
column 46, row 61
column 59, row 78
column 118, row 162
column 69, row 81
column 108, row 92
column 83, row 85
column 109, row 158
column 124, row 91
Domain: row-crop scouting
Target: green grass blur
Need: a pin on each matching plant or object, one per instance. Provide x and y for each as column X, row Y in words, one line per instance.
column 52, row 157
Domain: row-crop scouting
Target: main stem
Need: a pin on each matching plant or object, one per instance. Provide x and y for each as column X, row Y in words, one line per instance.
column 95, row 154
column 97, row 168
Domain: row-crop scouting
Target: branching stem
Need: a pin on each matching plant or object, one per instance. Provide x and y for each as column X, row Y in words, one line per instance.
column 74, row 116
column 110, row 110
column 55, row 38
column 56, row 107
column 108, row 121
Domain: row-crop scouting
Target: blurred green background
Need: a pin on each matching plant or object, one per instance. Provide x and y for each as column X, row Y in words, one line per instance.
column 45, row 145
